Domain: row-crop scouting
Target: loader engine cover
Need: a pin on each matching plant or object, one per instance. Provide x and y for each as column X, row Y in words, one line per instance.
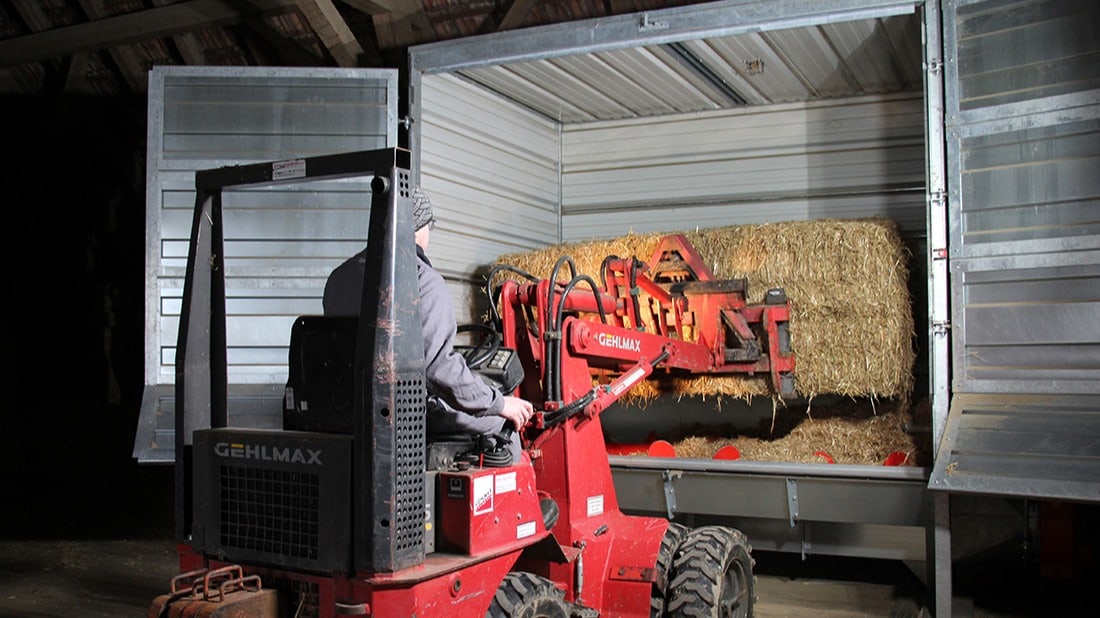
column 273, row 497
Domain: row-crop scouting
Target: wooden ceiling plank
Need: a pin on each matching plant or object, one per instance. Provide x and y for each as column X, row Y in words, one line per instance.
column 289, row 51
column 516, row 14
column 333, row 31
column 152, row 23
column 403, row 23
column 367, row 6
column 33, row 15
column 126, row 59
column 188, row 45
column 76, row 81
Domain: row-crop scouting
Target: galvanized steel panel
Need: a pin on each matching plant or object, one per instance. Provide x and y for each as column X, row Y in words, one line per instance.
column 491, row 169
column 1023, row 128
column 856, row 158
column 1028, row 324
column 802, row 64
column 695, row 58
column 280, row 244
column 1033, row 446
column 1029, row 183
column 1028, row 50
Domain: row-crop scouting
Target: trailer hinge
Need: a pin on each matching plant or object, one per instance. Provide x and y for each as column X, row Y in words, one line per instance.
column 649, row 26
column 941, row 327
column 792, row 500
column 937, row 197
column 934, row 66
column 670, row 491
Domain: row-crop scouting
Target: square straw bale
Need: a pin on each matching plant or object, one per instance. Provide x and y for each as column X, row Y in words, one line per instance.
column 851, row 322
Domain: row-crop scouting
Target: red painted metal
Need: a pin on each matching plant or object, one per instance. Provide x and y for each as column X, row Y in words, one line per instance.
column 661, row 448
column 572, row 468
column 728, row 452
column 897, row 458
column 445, row 584
column 484, row 510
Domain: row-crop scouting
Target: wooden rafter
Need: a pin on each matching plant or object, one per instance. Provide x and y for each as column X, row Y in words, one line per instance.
column 334, row 33
column 157, row 22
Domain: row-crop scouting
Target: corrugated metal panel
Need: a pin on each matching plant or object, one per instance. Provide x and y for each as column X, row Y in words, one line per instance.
column 1030, row 182
column 1024, row 244
column 853, row 58
column 1029, row 324
column 491, row 169
column 857, row 158
column 1023, row 121
column 1022, row 445
column 1010, row 52
column 280, row 245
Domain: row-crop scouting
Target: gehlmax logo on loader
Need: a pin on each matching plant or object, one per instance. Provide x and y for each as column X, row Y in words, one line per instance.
column 619, row 342
column 263, row 452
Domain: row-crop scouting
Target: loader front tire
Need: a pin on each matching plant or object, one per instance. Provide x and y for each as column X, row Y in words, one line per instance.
column 526, row 595
column 658, row 598
column 712, row 575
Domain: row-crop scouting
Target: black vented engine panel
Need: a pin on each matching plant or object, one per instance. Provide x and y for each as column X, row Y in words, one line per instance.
column 410, row 429
column 271, row 497
column 270, row 511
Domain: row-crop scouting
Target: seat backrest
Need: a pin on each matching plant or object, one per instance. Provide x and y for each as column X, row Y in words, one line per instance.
column 320, row 389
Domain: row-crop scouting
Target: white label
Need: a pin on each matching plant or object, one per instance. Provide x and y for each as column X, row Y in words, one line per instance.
column 294, row 168
column 506, row 482
column 595, row 505
column 483, row 494
column 525, row 530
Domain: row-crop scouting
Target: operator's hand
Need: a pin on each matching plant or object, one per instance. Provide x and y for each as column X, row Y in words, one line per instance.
column 517, row 410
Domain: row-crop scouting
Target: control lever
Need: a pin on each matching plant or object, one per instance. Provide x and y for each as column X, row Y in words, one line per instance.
column 493, row 448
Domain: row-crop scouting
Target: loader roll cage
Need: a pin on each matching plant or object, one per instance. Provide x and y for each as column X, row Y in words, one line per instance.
column 387, row 412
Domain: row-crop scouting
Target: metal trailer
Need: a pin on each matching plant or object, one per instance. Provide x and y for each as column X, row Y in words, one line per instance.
column 973, row 124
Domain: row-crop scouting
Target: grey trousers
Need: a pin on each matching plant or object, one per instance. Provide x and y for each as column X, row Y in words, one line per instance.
column 442, row 419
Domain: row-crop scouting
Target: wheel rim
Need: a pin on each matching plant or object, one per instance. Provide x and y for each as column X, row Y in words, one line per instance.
column 735, row 592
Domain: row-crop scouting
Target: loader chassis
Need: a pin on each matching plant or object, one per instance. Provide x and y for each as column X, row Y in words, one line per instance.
column 343, row 512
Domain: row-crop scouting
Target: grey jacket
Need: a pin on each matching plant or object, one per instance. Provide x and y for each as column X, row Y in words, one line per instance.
column 448, row 377
column 449, row 380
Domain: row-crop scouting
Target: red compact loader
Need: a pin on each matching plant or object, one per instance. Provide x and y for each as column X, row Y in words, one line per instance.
column 352, row 509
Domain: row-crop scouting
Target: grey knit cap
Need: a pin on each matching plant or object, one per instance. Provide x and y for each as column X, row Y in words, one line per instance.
column 422, row 209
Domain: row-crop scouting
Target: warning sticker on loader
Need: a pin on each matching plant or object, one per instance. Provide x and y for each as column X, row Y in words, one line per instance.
column 483, row 494
column 595, row 506
column 506, row 482
column 294, row 168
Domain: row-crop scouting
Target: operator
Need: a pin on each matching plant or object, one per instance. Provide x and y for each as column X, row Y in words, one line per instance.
column 458, row 400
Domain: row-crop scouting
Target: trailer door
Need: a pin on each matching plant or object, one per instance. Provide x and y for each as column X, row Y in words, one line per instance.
column 1022, row 84
column 279, row 256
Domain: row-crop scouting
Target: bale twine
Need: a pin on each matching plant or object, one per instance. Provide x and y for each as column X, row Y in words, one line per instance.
column 851, row 322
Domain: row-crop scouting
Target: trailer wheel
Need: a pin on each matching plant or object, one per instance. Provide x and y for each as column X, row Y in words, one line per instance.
column 526, row 595
column 712, row 575
column 673, row 536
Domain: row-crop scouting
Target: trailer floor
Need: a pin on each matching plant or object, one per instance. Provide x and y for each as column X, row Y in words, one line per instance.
column 121, row 578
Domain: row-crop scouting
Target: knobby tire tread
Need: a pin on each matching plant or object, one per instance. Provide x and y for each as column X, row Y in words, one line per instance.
column 699, row 568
